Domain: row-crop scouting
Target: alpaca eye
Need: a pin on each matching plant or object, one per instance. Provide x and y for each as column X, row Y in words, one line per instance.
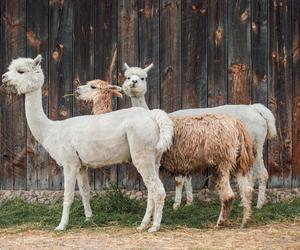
column 93, row 87
column 20, row 71
column 142, row 78
column 128, row 78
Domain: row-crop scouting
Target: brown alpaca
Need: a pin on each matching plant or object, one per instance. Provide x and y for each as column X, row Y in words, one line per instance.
column 218, row 142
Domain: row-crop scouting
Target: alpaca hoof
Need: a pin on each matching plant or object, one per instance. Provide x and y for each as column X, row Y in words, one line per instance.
column 141, row 228
column 176, row 206
column 60, row 228
column 259, row 205
column 189, row 203
column 243, row 225
column 87, row 219
column 153, row 229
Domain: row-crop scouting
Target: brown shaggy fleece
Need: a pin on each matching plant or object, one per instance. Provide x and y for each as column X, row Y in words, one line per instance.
column 207, row 141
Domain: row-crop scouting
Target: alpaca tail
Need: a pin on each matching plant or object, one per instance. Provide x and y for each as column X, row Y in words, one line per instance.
column 268, row 116
column 166, row 129
column 246, row 149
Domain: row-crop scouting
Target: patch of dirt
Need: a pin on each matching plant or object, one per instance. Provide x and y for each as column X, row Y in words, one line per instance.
column 273, row 236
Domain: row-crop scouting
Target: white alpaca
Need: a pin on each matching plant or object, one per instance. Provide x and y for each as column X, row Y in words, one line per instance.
column 259, row 121
column 129, row 134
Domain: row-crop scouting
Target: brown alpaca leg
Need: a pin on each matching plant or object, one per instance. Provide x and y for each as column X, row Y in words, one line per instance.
column 226, row 196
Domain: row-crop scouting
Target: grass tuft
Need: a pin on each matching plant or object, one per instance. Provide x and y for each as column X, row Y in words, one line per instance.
column 115, row 208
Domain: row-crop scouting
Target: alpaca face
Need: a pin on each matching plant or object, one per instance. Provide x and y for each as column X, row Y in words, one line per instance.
column 97, row 88
column 24, row 75
column 135, row 84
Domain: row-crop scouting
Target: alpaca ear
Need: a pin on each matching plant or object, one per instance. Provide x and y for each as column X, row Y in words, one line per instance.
column 126, row 66
column 37, row 61
column 149, row 67
column 116, row 90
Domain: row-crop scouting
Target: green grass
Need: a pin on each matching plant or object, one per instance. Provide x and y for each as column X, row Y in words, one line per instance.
column 114, row 208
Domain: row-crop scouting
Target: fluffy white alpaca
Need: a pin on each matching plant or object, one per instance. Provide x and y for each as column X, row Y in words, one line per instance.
column 259, row 121
column 129, row 134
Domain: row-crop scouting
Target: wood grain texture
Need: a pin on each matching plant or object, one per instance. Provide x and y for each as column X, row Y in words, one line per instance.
column 194, row 54
column 128, row 48
column 61, row 19
column 217, row 53
column 170, row 55
column 280, row 92
column 37, row 43
column 106, row 24
column 13, row 44
column 239, row 52
column 296, row 91
column 259, row 47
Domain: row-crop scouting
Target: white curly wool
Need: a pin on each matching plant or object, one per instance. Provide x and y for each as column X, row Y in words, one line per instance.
column 95, row 141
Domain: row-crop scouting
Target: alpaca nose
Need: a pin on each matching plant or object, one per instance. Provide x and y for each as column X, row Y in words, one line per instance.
column 134, row 81
column 4, row 77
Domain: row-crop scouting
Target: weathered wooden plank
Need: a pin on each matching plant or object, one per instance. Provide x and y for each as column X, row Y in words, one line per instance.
column 259, row 47
column 170, row 62
column 105, row 44
column 61, row 19
column 170, row 54
column 217, row 53
column 194, row 60
column 149, row 50
column 239, row 52
column 280, row 91
column 13, row 44
column 128, row 49
column 194, row 53
column 83, row 59
column 37, row 43
column 296, row 91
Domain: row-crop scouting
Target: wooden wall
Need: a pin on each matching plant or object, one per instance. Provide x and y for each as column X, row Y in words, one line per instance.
column 206, row 53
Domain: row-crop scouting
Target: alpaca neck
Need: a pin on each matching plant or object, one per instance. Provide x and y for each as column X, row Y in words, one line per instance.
column 102, row 104
column 139, row 101
column 38, row 122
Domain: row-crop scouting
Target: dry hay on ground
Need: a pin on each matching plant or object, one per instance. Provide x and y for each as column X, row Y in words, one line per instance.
column 272, row 236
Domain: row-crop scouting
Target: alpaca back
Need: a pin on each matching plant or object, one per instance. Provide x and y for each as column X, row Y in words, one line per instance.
column 205, row 141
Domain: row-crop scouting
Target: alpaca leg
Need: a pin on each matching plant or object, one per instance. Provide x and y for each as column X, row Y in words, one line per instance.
column 245, row 190
column 156, row 194
column 149, row 211
column 179, row 181
column 159, row 201
column 84, row 188
column 262, row 183
column 226, row 196
column 69, row 186
column 188, row 189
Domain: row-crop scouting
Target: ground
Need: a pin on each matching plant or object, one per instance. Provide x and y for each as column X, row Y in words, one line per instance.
column 26, row 225
column 285, row 235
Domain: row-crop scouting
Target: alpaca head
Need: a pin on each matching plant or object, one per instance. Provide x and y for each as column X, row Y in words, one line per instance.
column 100, row 94
column 135, row 84
column 97, row 88
column 24, row 75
